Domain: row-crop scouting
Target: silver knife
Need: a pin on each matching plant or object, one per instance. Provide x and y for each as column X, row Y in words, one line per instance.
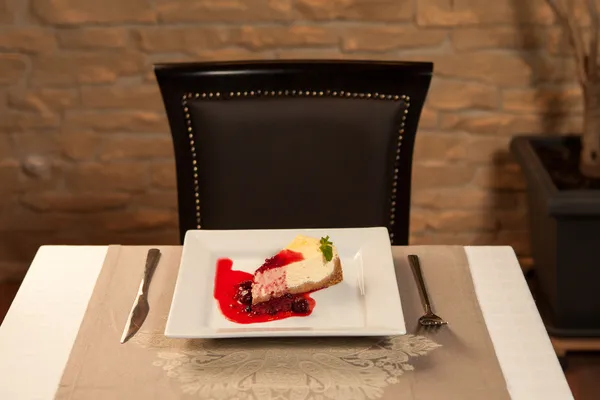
column 140, row 308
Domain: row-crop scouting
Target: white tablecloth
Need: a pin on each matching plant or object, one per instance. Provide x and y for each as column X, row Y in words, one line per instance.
column 42, row 323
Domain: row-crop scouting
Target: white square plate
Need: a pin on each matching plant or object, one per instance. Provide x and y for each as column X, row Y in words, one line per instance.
column 341, row 310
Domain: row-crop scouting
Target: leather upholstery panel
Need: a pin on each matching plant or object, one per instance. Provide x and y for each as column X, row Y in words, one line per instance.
column 295, row 162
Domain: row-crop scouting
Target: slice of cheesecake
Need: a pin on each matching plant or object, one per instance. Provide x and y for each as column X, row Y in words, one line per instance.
column 305, row 265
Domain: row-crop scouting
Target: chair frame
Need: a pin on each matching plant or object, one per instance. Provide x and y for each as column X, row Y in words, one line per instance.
column 406, row 82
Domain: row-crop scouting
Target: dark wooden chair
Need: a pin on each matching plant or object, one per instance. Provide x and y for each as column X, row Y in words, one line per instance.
column 294, row 144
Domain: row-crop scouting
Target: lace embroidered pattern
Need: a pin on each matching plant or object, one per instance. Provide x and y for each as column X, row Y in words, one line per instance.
column 287, row 369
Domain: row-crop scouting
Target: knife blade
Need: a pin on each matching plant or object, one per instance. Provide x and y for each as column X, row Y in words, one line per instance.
column 141, row 307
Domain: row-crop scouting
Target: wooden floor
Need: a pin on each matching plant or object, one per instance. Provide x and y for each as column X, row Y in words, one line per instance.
column 7, row 294
column 583, row 375
column 583, row 370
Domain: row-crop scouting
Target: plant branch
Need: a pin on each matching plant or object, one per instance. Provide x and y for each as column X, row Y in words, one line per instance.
column 595, row 21
column 569, row 24
column 577, row 39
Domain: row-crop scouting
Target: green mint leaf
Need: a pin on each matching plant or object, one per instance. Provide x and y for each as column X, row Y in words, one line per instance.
column 326, row 248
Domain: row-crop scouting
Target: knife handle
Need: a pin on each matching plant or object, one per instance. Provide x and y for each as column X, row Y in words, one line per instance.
column 151, row 263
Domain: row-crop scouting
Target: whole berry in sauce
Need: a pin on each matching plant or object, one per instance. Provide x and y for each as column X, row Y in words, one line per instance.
column 300, row 306
column 245, row 297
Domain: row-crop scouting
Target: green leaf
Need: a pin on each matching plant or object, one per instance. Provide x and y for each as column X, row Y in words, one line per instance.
column 326, row 248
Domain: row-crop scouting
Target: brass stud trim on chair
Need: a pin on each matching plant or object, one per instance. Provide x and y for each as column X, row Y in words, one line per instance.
column 290, row 93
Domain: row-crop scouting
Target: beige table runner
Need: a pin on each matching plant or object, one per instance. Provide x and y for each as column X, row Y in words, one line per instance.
column 457, row 362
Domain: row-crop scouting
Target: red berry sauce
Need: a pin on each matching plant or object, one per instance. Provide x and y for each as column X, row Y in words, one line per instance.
column 233, row 293
column 284, row 257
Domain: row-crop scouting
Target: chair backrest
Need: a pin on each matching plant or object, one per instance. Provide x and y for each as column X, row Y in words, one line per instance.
column 294, row 144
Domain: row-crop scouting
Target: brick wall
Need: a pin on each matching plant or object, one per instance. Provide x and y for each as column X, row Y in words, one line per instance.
column 85, row 153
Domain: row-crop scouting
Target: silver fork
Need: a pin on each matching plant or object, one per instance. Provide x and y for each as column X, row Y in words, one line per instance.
column 429, row 319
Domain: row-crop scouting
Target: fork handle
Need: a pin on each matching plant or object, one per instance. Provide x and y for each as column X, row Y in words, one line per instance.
column 416, row 266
